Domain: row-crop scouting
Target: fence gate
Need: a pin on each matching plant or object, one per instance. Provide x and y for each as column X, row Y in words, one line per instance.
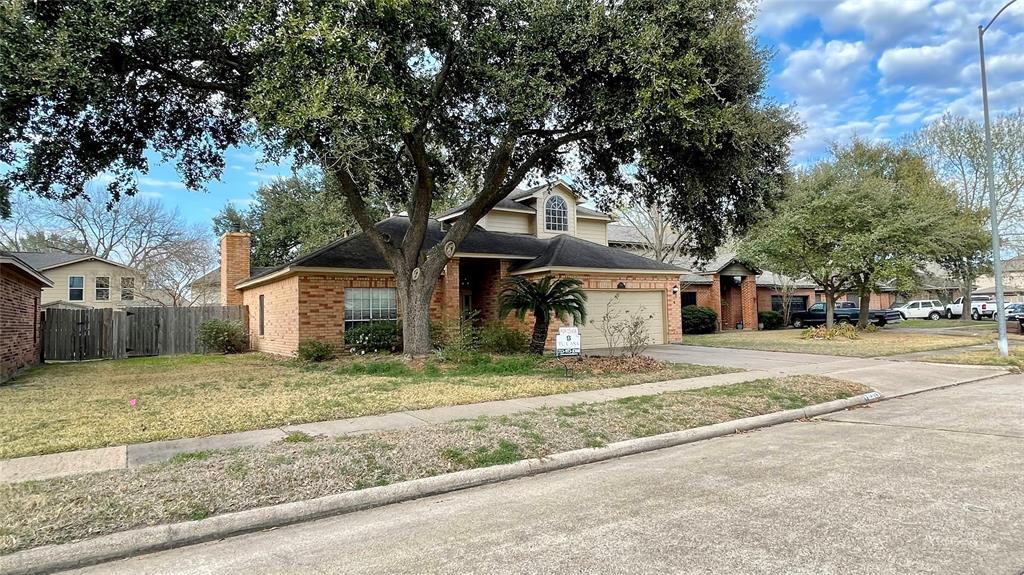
column 81, row 334
column 143, row 331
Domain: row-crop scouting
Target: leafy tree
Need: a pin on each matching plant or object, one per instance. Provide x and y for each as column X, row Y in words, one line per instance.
column 289, row 217
column 911, row 210
column 870, row 214
column 402, row 100
column 545, row 298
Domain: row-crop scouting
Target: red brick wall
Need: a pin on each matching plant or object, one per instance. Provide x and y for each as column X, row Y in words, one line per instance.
column 281, row 316
column 234, row 266
column 673, row 311
column 19, row 321
column 312, row 306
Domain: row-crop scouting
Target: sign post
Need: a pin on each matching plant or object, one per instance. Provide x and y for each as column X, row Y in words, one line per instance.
column 567, row 345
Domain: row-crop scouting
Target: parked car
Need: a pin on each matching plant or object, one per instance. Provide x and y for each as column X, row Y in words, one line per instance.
column 921, row 309
column 844, row 312
column 1014, row 311
column 955, row 308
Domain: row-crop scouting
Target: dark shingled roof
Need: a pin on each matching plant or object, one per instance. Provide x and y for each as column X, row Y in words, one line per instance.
column 213, row 276
column 44, row 260
column 357, row 252
column 504, row 203
column 569, row 252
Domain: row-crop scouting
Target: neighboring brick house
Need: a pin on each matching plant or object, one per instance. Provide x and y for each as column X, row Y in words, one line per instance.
column 20, row 294
column 534, row 232
column 736, row 291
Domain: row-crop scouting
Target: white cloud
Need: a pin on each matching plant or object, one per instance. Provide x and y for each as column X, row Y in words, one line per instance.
column 158, row 183
column 823, row 72
column 924, row 65
column 153, row 195
column 883, row 22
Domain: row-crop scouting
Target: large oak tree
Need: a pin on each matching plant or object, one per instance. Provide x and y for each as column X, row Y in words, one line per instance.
column 403, row 98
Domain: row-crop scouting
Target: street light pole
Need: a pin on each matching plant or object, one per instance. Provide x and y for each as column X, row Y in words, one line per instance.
column 990, row 181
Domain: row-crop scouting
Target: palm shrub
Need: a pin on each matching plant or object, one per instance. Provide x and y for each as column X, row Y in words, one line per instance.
column 546, row 298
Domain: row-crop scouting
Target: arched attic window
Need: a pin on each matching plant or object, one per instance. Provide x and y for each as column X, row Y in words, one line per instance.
column 556, row 214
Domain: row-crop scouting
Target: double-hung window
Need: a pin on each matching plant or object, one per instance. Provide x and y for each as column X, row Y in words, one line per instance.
column 76, row 288
column 366, row 305
column 127, row 288
column 102, row 288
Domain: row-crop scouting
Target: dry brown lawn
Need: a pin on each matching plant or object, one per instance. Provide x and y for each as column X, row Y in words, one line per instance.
column 197, row 485
column 870, row 344
column 63, row 407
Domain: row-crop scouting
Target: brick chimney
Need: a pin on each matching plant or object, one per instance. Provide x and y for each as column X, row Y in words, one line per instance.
column 234, row 265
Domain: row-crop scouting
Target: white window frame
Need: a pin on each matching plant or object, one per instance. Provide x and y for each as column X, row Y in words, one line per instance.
column 97, row 288
column 72, row 288
column 127, row 290
column 368, row 305
column 556, row 214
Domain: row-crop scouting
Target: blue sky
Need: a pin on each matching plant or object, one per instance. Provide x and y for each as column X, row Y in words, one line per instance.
column 873, row 68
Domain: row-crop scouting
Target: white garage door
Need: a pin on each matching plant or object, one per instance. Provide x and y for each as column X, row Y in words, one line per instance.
column 648, row 303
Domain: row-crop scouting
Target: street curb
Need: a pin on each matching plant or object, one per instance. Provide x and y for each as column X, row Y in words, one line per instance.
column 53, row 558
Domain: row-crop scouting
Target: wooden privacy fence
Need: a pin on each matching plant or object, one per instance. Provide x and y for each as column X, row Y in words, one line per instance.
column 81, row 334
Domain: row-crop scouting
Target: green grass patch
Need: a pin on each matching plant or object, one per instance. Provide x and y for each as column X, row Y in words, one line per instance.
column 187, row 456
column 297, row 437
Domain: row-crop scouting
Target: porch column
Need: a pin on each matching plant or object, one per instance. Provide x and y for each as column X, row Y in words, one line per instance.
column 715, row 299
column 748, row 297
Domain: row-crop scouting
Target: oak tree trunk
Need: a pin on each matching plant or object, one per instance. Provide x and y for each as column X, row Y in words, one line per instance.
column 414, row 304
column 865, row 304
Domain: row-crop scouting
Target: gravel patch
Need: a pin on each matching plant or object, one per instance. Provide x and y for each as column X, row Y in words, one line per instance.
column 196, row 486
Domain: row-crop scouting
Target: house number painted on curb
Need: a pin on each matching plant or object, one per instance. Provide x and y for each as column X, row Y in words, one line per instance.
column 872, row 395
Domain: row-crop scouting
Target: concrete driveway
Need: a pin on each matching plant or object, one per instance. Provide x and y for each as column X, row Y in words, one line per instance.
column 932, row 483
column 886, row 375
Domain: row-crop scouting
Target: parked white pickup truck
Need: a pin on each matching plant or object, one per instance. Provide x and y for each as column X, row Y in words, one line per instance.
column 981, row 306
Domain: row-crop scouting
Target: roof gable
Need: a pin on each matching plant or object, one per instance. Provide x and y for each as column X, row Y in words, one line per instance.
column 48, row 260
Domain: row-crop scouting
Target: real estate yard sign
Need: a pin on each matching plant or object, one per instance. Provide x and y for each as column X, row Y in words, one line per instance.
column 567, row 342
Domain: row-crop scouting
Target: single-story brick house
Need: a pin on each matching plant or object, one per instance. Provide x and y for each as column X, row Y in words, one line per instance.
column 532, row 233
column 736, row 291
column 20, row 293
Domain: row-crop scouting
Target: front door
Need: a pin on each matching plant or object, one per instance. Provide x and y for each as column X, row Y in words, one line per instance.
column 466, row 306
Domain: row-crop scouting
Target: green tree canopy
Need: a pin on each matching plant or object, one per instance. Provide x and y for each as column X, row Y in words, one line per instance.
column 872, row 214
column 289, row 217
column 400, row 99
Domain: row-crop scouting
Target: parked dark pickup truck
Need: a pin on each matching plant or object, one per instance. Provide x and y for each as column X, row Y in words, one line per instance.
column 845, row 312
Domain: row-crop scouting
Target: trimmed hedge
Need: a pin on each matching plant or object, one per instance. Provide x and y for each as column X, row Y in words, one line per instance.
column 770, row 319
column 501, row 339
column 699, row 319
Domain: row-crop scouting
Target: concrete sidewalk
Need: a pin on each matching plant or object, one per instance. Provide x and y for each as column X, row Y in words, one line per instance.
column 128, row 456
column 927, row 484
column 890, row 378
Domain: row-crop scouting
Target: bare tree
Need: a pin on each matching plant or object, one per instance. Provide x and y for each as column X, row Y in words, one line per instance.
column 170, row 279
column 141, row 233
column 785, row 287
column 661, row 240
column 955, row 148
